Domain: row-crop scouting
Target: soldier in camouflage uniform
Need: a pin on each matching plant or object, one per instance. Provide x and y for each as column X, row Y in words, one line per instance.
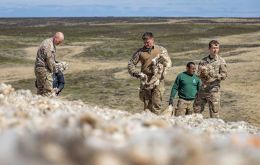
column 212, row 70
column 45, row 64
column 154, row 61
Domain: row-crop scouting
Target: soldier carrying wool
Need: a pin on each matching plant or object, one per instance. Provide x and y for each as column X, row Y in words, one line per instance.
column 212, row 70
column 46, row 66
column 154, row 61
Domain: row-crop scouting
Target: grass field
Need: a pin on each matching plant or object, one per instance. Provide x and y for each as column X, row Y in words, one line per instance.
column 98, row 50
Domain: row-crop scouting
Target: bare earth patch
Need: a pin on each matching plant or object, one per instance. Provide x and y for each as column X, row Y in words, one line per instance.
column 64, row 53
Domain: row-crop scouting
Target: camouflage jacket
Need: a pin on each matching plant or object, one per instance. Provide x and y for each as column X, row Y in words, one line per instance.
column 212, row 71
column 46, row 55
column 146, row 58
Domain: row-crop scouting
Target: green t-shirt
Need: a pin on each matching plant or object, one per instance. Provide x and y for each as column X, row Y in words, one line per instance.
column 186, row 85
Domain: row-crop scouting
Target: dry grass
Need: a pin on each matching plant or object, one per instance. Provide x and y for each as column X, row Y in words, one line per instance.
column 240, row 92
column 244, row 84
column 240, row 97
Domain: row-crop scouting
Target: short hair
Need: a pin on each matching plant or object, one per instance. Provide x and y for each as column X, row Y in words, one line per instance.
column 189, row 64
column 213, row 42
column 147, row 35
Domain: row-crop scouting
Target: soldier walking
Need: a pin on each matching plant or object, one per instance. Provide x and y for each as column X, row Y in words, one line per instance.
column 212, row 70
column 154, row 61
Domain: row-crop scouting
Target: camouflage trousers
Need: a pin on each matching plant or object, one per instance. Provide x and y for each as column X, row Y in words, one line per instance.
column 152, row 98
column 213, row 100
column 184, row 107
column 44, row 82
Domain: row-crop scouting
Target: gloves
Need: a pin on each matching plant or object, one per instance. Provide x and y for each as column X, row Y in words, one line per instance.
column 136, row 74
column 142, row 76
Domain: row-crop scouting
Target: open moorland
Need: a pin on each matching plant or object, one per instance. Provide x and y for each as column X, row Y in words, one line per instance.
column 98, row 49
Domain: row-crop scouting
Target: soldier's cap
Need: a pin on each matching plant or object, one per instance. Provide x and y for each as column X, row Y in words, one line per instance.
column 147, row 35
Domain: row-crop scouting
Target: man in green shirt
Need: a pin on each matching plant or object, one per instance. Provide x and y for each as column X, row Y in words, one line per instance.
column 187, row 85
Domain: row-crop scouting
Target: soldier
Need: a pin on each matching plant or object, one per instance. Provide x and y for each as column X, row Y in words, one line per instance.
column 154, row 61
column 45, row 64
column 212, row 70
column 187, row 85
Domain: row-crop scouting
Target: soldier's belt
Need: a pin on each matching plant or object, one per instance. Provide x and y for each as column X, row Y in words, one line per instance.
column 186, row 99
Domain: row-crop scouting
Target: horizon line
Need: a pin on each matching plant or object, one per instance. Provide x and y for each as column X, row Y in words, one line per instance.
column 251, row 17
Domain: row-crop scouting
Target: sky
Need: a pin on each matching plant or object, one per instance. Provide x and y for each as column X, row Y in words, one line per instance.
column 100, row 8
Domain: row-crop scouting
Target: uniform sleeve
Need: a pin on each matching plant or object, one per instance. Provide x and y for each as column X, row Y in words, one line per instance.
column 165, row 58
column 175, row 87
column 50, row 59
column 132, row 65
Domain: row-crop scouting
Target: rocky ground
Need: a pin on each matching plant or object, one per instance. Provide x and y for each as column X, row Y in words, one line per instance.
column 38, row 130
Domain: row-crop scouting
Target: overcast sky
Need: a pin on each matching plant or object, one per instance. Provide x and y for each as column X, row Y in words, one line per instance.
column 71, row 8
